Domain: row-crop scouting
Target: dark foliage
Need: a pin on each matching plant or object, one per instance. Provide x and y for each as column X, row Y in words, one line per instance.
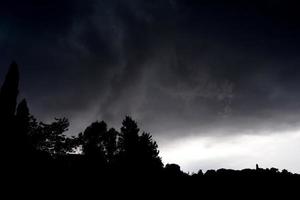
column 50, row 138
column 42, row 150
column 9, row 92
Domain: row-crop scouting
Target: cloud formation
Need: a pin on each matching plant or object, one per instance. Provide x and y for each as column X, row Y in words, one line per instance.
column 178, row 67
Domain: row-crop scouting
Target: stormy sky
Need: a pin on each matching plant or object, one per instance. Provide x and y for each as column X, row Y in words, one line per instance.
column 215, row 82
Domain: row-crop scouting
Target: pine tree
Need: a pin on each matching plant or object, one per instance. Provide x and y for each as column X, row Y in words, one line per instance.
column 137, row 152
column 149, row 153
column 128, row 141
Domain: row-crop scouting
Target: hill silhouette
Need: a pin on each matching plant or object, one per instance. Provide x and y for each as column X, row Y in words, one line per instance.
column 33, row 150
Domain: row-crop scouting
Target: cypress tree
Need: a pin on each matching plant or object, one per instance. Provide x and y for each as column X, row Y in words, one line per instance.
column 9, row 92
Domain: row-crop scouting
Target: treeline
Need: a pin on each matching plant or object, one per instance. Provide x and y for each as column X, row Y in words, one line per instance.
column 99, row 147
column 28, row 145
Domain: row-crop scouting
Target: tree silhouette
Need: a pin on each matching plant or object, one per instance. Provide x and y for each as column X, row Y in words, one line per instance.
column 110, row 144
column 92, row 142
column 22, row 127
column 50, row 137
column 23, row 116
column 173, row 170
column 8, row 100
column 129, row 143
column 9, row 92
column 138, row 152
column 148, row 151
column 43, row 149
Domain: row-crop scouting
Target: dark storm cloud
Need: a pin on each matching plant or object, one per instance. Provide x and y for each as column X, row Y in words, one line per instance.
column 175, row 66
